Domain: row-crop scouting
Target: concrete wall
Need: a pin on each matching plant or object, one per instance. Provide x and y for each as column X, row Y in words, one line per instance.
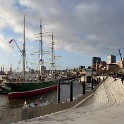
column 15, row 115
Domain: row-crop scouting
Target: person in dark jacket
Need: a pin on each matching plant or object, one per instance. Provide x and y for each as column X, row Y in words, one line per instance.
column 122, row 78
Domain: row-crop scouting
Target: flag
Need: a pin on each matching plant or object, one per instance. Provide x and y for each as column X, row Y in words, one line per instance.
column 11, row 41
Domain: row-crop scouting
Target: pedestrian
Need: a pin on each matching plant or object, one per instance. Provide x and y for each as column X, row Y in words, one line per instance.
column 122, row 78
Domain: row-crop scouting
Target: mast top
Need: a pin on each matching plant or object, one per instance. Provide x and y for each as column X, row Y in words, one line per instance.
column 41, row 49
column 23, row 51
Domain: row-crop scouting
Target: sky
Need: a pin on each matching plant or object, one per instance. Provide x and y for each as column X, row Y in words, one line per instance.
column 82, row 29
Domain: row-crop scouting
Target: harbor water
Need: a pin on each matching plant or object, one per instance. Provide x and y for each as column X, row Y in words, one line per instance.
column 44, row 98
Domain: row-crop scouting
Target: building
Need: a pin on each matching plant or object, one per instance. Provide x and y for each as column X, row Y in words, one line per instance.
column 96, row 60
column 112, row 67
column 111, row 59
column 81, row 67
column 100, row 66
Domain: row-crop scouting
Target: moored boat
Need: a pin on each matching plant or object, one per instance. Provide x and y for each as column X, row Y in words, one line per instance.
column 21, row 87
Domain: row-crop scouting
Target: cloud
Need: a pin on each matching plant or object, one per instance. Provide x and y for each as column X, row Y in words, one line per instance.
column 4, row 44
column 89, row 27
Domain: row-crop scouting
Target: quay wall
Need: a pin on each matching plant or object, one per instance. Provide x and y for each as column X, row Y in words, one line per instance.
column 14, row 115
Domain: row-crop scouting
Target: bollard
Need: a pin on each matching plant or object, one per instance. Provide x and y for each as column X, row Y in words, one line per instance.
column 122, row 78
column 84, row 90
column 92, row 83
column 99, row 80
column 71, row 91
column 103, row 78
column 26, row 114
column 58, row 92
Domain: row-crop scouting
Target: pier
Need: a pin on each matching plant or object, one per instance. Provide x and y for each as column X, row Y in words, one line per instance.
column 103, row 106
column 18, row 114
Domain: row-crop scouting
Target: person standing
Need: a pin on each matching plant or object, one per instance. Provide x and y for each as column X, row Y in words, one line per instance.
column 122, row 78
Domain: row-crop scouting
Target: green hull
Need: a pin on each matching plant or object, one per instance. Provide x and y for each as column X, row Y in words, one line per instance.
column 18, row 89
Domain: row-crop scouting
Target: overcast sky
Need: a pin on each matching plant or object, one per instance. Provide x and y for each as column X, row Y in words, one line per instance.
column 82, row 28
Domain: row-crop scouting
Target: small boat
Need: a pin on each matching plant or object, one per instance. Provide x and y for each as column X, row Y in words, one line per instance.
column 4, row 89
column 1, row 78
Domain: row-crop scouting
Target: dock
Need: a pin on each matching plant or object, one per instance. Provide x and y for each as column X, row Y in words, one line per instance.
column 105, row 106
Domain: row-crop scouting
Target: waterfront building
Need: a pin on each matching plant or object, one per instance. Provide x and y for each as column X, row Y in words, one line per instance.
column 101, row 68
column 120, row 64
column 112, row 67
column 89, row 67
column 111, row 59
column 95, row 60
column 81, row 67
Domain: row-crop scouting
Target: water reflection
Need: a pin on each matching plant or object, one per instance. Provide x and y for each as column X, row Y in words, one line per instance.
column 49, row 97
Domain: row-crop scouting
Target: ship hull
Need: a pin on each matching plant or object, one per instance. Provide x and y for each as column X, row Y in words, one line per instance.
column 12, row 95
column 23, row 89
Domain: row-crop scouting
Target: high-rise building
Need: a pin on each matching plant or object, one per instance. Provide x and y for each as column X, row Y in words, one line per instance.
column 111, row 59
column 96, row 60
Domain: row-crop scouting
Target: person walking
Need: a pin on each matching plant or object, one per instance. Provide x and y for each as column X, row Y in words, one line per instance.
column 122, row 78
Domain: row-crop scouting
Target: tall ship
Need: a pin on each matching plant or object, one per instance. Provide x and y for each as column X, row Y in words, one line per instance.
column 23, row 86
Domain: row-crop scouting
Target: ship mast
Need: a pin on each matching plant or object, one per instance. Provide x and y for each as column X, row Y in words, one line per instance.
column 23, row 51
column 41, row 49
column 53, row 62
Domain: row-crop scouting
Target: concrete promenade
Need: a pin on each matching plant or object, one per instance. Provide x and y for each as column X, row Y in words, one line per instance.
column 105, row 107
